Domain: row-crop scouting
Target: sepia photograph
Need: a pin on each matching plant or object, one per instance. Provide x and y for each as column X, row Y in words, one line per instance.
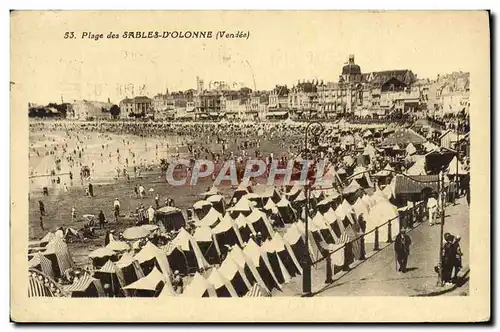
column 281, row 159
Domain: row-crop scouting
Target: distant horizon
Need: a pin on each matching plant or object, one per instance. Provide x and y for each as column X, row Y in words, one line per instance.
column 152, row 94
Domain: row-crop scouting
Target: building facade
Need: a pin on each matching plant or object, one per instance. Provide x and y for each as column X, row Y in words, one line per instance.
column 89, row 110
column 141, row 106
column 365, row 94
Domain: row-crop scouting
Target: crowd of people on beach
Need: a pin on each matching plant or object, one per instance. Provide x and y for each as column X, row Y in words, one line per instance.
column 347, row 151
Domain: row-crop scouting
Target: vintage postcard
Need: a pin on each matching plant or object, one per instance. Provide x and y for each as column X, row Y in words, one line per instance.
column 250, row 166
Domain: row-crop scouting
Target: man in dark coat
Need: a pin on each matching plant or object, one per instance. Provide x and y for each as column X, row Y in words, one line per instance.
column 102, row 219
column 91, row 190
column 448, row 259
column 457, row 252
column 402, row 249
column 42, row 208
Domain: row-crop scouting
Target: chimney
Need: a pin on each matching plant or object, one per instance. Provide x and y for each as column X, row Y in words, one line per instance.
column 109, row 101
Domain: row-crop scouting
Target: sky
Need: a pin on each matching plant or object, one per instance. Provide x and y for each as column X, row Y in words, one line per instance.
column 282, row 48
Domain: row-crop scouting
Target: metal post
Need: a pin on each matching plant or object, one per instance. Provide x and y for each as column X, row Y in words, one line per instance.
column 389, row 231
column 306, row 277
column 456, row 173
column 440, row 276
column 306, row 270
column 362, row 249
column 376, row 244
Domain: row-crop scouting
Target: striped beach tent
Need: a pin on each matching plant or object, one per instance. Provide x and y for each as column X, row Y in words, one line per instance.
column 353, row 250
column 59, row 248
column 109, row 267
column 85, row 286
column 258, row 291
column 41, row 285
column 42, row 263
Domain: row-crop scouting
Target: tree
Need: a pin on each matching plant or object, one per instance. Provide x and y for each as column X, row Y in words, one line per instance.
column 115, row 111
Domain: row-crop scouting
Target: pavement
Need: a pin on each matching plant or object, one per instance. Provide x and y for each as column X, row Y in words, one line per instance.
column 377, row 274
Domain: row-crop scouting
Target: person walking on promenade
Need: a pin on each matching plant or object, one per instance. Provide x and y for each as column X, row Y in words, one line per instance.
column 448, row 258
column 457, row 259
column 402, row 249
column 91, row 190
column 431, row 207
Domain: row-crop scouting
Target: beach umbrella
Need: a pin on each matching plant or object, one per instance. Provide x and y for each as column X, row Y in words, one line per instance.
column 118, row 246
column 150, row 227
column 135, row 233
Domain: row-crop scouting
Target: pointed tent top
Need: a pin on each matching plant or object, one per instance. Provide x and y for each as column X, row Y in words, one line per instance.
column 182, row 240
column 238, row 257
column 295, row 190
column 410, row 149
column 381, row 213
column 270, row 192
column 340, row 213
column 270, row 205
column 215, row 198
column 241, row 221
column 347, row 206
column 149, row 282
column 360, row 208
column 292, row 234
column 318, row 222
column 203, row 234
column 243, row 205
column 243, row 187
column 330, row 215
column 198, row 286
column 260, row 188
column 325, row 201
column 125, row 260
column 225, row 224
column 256, row 215
column 201, row 204
column 210, row 219
column 48, row 237
column 352, row 187
column 211, row 192
column 283, row 202
column 148, row 252
column 300, row 197
column 253, row 252
column 228, row 268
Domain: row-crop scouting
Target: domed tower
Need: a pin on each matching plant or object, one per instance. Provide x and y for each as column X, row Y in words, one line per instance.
column 351, row 72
